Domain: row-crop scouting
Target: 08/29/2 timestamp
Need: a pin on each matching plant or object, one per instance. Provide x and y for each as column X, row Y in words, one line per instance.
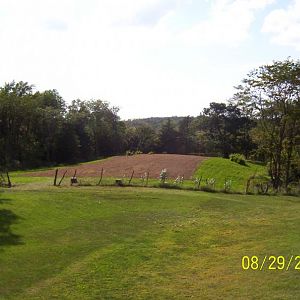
column 283, row 263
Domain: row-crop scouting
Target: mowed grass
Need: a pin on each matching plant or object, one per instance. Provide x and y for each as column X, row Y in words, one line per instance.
column 139, row 243
column 221, row 169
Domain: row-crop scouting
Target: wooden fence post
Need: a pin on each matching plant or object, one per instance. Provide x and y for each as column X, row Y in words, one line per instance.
column 131, row 177
column 100, row 177
column 62, row 178
column 8, row 180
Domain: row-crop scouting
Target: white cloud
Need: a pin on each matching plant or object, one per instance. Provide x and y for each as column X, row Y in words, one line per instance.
column 284, row 25
column 126, row 52
column 228, row 24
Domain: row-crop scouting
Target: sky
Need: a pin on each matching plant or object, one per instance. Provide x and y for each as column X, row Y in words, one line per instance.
column 151, row 58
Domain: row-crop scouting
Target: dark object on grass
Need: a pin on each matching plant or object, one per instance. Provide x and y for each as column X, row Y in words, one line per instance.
column 74, row 178
column 119, row 182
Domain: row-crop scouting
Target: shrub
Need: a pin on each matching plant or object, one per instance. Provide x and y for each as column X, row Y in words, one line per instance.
column 238, row 158
column 119, row 182
column 257, row 184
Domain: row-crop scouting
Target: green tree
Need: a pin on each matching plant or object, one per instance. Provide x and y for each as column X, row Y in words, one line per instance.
column 221, row 124
column 272, row 94
column 17, row 119
column 186, row 136
column 168, row 138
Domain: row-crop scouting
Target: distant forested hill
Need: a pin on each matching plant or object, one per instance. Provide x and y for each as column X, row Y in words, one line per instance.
column 154, row 122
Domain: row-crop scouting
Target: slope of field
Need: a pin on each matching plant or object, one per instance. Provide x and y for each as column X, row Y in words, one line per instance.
column 128, row 243
column 221, row 169
column 118, row 166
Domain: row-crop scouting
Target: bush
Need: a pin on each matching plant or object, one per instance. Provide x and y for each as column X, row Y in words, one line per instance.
column 119, row 182
column 257, row 184
column 238, row 158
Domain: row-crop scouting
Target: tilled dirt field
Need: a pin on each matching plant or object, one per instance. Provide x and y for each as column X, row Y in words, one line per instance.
column 118, row 166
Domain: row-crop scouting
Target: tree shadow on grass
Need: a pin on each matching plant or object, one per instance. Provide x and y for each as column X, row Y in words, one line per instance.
column 8, row 218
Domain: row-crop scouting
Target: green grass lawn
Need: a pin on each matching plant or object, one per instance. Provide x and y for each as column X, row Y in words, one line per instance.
column 221, row 169
column 140, row 243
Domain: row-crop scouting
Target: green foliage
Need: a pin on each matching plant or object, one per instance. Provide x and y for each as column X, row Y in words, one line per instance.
column 186, row 136
column 226, row 129
column 271, row 94
column 37, row 128
column 141, row 138
column 238, row 158
column 257, row 184
column 168, row 138
column 155, row 122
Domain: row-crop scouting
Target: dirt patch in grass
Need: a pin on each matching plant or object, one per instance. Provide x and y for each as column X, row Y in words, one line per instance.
column 117, row 166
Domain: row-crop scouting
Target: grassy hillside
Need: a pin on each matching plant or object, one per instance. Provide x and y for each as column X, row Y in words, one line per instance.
column 221, row 169
column 127, row 243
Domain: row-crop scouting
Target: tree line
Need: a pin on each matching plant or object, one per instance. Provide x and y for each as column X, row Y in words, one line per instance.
column 261, row 121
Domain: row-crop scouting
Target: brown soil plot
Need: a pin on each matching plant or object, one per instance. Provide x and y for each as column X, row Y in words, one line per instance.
column 118, row 166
